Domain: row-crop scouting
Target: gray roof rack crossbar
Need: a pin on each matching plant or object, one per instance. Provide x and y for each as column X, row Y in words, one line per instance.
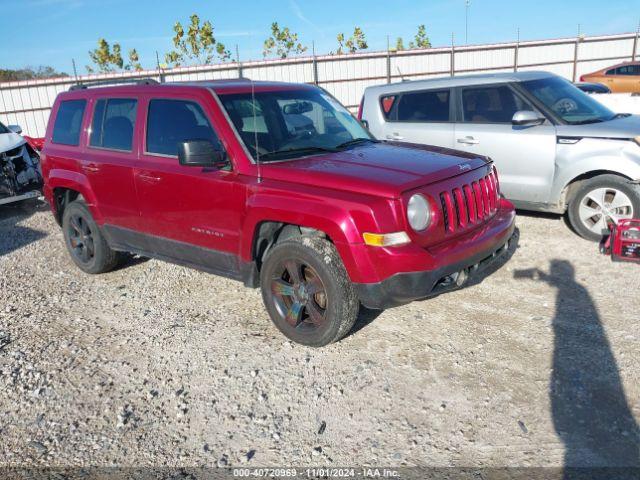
column 97, row 83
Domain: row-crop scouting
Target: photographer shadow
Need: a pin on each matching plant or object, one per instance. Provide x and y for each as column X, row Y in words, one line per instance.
column 588, row 404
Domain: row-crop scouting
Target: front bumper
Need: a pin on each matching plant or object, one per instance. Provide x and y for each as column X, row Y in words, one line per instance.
column 406, row 287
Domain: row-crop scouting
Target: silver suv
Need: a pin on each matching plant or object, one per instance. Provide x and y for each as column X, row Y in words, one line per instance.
column 557, row 149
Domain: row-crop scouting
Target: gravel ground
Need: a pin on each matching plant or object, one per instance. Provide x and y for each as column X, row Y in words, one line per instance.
column 155, row 364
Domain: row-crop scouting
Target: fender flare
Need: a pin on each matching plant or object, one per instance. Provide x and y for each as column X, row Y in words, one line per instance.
column 336, row 223
column 59, row 178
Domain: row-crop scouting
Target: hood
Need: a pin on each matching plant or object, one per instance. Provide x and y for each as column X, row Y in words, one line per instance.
column 9, row 141
column 623, row 127
column 381, row 169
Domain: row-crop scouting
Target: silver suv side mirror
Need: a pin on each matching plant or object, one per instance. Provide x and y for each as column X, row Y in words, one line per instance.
column 527, row 118
column 15, row 129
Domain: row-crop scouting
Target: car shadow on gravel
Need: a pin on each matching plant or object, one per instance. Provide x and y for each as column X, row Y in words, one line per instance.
column 588, row 404
column 14, row 236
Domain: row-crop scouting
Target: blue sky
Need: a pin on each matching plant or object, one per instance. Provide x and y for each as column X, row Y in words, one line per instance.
column 52, row 32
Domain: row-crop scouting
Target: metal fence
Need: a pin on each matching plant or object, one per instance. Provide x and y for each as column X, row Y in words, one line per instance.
column 28, row 103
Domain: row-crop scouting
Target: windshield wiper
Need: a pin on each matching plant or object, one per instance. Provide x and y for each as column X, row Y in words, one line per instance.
column 587, row 121
column 287, row 151
column 355, row 141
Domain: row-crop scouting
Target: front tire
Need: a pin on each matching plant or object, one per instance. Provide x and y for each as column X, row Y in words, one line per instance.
column 85, row 243
column 601, row 201
column 307, row 291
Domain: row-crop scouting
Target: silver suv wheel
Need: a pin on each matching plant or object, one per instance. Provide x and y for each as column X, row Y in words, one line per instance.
column 600, row 202
column 604, row 206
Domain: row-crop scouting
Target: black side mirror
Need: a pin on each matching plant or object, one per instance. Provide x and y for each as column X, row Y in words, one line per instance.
column 200, row 153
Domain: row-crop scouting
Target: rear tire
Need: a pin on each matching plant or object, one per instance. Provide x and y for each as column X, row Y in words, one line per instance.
column 600, row 199
column 85, row 243
column 307, row 292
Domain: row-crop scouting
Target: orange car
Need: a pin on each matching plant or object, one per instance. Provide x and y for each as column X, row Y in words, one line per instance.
column 624, row 77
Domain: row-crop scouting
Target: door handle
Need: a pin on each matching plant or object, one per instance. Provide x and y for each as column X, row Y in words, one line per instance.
column 147, row 177
column 468, row 141
column 90, row 167
column 395, row 136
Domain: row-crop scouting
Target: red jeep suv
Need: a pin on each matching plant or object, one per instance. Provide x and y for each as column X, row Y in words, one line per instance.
column 273, row 184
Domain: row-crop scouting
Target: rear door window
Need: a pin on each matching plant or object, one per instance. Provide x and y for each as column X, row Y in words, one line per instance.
column 495, row 104
column 113, row 123
column 170, row 122
column 422, row 107
column 66, row 130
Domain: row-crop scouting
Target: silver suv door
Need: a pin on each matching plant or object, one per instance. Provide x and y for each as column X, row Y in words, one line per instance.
column 418, row 117
column 524, row 155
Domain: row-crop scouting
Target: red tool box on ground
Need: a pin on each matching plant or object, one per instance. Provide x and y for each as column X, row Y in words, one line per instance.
column 624, row 242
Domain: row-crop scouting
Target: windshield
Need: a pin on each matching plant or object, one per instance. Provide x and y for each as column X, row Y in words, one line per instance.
column 287, row 124
column 567, row 101
column 3, row 129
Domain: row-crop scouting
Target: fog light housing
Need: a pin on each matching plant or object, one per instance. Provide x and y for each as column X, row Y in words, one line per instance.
column 385, row 239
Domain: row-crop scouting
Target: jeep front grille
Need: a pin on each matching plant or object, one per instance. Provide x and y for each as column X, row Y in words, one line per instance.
column 470, row 204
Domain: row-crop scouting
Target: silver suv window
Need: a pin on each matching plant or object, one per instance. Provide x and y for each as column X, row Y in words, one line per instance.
column 493, row 104
column 566, row 101
column 421, row 107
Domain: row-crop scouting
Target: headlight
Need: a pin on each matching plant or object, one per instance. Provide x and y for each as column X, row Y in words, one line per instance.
column 637, row 139
column 418, row 212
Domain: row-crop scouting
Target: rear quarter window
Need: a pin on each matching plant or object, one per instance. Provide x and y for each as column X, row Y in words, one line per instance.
column 68, row 122
column 421, row 107
column 386, row 104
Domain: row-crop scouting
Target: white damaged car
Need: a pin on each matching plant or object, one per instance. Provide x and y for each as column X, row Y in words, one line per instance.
column 20, row 176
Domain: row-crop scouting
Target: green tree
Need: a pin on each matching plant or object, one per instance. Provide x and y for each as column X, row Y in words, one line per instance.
column 134, row 61
column 29, row 73
column 355, row 42
column 196, row 46
column 108, row 58
column 399, row 44
column 105, row 57
column 421, row 40
column 283, row 42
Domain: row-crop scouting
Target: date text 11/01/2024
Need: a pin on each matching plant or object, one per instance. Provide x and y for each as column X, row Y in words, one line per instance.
column 365, row 472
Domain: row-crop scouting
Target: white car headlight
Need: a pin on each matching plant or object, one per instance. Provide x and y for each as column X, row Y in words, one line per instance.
column 418, row 212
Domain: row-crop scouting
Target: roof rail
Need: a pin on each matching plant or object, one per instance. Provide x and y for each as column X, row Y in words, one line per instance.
column 115, row 81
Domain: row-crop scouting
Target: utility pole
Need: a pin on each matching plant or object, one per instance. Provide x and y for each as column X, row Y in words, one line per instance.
column 516, row 51
column 467, row 4
column 575, row 55
column 315, row 62
column 635, row 44
column 238, row 61
column 388, row 61
column 453, row 56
